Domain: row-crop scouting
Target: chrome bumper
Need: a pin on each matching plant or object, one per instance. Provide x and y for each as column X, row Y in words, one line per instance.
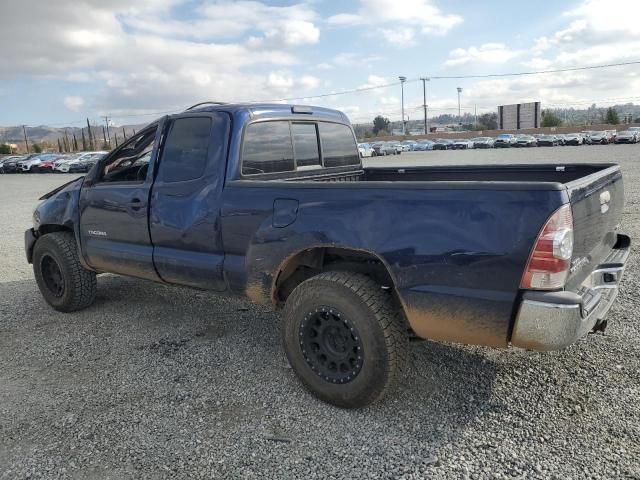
column 554, row 320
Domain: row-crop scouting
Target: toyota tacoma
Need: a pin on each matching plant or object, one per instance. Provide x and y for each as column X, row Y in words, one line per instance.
column 272, row 202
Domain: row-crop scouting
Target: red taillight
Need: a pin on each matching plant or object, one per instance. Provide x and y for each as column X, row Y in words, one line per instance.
column 549, row 263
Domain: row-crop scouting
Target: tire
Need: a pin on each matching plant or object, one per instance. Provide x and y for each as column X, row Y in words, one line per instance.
column 64, row 283
column 359, row 329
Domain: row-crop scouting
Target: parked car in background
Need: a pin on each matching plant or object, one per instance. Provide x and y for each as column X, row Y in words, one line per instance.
column 626, row 136
column 525, row 141
column 586, row 135
column 611, row 135
column 408, row 145
column 45, row 166
column 598, row 138
column 562, row 139
column 365, row 150
column 32, row 163
column 573, row 139
column 463, row 144
column 504, row 140
column 442, row 144
column 383, row 148
column 423, row 146
column 85, row 163
column 635, row 130
column 398, row 146
column 10, row 164
column 482, row 142
column 547, row 141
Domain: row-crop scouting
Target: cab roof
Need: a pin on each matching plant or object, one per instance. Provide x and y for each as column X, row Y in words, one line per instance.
column 267, row 110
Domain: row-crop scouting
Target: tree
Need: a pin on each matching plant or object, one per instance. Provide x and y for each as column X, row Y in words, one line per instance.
column 5, row 149
column 35, row 148
column 489, row 121
column 550, row 119
column 612, row 116
column 380, row 123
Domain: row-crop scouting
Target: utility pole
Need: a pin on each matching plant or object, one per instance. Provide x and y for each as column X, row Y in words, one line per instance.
column 402, row 80
column 424, row 103
column 106, row 122
column 475, row 114
column 84, row 141
column 124, row 134
column 59, row 146
column 459, row 113
column 26, row 142
column 104, row 136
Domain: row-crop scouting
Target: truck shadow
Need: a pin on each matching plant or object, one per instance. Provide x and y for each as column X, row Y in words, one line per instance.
column 221, row 358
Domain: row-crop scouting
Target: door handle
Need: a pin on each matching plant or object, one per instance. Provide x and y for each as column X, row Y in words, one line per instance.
column 136, row 204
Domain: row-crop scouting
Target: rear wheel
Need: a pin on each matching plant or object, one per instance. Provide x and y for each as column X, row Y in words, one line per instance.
column 344, row 339
column 64, row 283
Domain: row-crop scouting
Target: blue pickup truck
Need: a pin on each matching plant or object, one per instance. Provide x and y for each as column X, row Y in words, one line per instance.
column 272, row 202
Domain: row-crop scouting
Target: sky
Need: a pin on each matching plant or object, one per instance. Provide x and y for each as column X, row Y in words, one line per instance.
column 133, row 60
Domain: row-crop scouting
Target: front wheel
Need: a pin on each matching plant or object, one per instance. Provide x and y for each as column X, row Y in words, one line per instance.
column 344, row 339
column 64, row 283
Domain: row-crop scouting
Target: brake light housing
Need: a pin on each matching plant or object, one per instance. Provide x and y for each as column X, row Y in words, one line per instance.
column 550, row 260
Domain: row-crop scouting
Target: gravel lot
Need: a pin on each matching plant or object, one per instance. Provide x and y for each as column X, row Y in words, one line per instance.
column 159, row 382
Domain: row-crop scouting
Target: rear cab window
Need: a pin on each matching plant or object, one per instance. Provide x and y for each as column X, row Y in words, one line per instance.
column 283, row 146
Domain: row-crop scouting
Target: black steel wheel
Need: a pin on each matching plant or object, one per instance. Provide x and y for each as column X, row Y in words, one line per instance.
column 52, row 275
column 331, row 345
column 344, row 338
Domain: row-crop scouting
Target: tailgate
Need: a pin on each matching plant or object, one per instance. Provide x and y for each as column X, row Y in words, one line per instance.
column 597, row 201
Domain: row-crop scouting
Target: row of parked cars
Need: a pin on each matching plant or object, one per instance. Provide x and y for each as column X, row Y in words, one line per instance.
column 505, row 140
column 50, row 162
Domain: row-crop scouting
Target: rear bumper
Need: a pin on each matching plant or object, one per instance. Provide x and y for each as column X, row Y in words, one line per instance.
column 554, row 320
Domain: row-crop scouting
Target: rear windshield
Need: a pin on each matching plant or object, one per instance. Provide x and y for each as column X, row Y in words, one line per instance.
column 280, row 146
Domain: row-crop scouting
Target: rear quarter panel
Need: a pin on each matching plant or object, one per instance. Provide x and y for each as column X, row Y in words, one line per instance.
column 456, row 254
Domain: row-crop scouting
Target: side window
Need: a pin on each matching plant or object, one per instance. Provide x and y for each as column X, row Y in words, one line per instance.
column 305, row 145
column 338, row 145
column 267, row 148
column 185, row 150
column 131, row 161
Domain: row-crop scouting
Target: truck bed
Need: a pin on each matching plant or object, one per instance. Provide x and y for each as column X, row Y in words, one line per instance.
column 548, row 173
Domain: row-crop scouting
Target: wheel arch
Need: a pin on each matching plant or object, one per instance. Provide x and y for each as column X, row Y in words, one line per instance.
column 310, row 261
column 53, row 227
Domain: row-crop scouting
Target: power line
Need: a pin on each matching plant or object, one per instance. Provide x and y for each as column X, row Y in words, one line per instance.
column 537, row 72
column 460, row 77
column 393, row 84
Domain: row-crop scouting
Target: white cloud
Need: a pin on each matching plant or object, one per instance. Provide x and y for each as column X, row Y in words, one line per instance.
column 593, row 33
column 141, row 61
column 285, row 81
column 405, row 20
column 374, row 81
column 73, row 103
column 288, row 25
column 389, row 100
column 494, row 53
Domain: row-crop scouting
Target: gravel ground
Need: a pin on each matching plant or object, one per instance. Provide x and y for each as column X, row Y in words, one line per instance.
column 159, row 382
